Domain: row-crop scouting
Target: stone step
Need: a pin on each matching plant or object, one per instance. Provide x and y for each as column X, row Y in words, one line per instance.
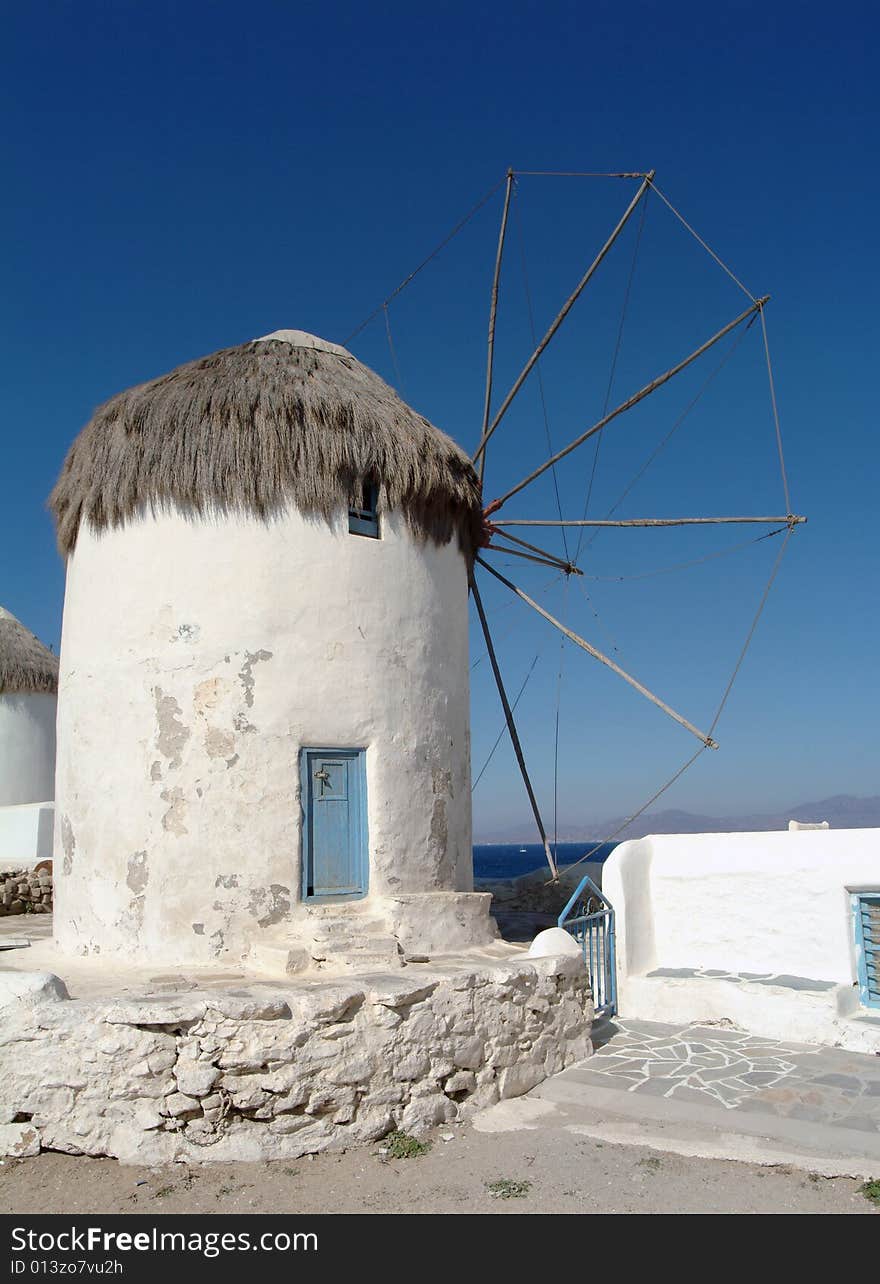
column 344, row 909
column 279, row 959
column 366, row 962
column 347, row 928
column 355, row 949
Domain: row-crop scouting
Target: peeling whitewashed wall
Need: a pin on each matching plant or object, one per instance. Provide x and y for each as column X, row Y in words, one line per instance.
column 197, row 658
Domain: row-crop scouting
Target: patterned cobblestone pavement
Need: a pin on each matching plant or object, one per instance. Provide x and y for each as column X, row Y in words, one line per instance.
column 720, row 1066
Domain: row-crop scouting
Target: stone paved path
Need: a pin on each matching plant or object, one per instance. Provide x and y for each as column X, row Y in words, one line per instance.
column 713, row 1091
column 728, row 1068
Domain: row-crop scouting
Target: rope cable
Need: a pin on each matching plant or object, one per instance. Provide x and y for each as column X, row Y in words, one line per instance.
column 706, row 247
column 394, row 362
column 751, row 633
column 635, row 815
column 613, row 369
column 775, row 414
column 690, row 761
column 683, row 566
column 676, row 425
column 531, row 316
column 591, row 604
column 504, row 728
column 556, row 737
column 507, row 606
column 424, row 263
column 530, row 310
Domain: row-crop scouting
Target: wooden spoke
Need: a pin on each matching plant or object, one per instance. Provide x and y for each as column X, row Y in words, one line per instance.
column 561, row 315
column 511, row 727
column 561, row 562
column 790, row 520
column 604, row 659
column 627, row 405
column 493, row 309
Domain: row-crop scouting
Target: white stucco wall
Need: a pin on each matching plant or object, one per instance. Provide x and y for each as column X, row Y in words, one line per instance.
column 762, row 902
column 197, row 658
column 27, row 748
column 26, row 834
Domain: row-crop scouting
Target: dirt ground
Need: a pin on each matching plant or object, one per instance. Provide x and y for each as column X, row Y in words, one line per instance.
column 561, row 1172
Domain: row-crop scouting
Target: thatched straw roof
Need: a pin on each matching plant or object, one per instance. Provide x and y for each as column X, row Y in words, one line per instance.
column 25, row 664
column 283, row 420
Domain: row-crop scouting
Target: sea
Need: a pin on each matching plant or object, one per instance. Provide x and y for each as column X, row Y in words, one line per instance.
column 509, row 860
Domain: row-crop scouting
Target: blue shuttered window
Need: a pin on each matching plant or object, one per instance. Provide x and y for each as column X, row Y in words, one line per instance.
column 363, row 519
column 866, row 920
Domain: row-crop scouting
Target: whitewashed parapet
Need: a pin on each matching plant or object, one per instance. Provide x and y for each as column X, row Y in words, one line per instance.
column 254, row 1074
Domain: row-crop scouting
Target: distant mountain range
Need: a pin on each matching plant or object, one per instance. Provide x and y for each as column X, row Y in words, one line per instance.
column 843, row 811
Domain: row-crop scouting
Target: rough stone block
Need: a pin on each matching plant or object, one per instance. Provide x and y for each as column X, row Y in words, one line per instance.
column 412, row 1067
column 392, row 993
column 19, row 1140
column 28, row 989
column 463, row 1081
column 358, row 1069
column 469, row 1055
column 517, row 1079
column 178, row 1105
column 196, row 1080
column 371, row 1123
column 426, row 1112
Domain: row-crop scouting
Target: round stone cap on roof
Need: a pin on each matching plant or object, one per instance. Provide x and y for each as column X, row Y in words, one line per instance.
column 300, row 339
column 285, row 420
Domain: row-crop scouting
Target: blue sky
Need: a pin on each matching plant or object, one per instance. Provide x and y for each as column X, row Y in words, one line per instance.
column 180, row 178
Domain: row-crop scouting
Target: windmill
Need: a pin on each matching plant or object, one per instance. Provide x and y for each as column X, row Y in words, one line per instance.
column 504, row 531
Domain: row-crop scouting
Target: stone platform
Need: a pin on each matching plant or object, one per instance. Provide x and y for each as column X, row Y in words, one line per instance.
column 212, row 1064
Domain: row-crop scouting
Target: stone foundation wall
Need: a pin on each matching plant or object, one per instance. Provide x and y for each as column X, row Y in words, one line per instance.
column 278, row 1072
column 534, row 893
column 22, row 891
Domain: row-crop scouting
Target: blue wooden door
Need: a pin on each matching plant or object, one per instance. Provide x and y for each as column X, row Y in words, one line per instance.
column 334, row 823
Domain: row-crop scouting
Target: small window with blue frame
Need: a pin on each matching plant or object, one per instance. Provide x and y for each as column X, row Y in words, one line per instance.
column 363, row 518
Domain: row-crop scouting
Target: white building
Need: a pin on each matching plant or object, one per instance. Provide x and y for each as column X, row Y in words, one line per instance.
column 263, row 724
column 28, row 686
column 774, row 932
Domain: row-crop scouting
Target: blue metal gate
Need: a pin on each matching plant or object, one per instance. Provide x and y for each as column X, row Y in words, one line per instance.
column 589, row 918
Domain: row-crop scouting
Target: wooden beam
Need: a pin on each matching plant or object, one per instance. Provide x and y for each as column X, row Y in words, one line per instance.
column 511, row 726
column 561, row 562
column 529, row 557
column 561, row 315
column 626, row 405
column 604, row 659
column 790, row 520
column 493, row 309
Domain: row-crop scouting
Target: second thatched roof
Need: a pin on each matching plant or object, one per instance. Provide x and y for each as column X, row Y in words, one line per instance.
column 284, row 420
column 26, row 666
